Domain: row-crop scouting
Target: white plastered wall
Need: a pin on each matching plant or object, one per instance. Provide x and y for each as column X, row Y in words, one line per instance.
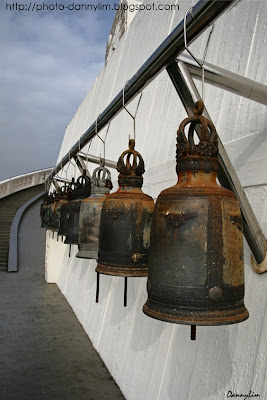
column 151, row 359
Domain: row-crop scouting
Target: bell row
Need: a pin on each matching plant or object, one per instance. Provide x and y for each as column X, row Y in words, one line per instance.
column 190, row 244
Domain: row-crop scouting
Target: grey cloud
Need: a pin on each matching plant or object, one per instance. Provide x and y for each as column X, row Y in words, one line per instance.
column 49, row 61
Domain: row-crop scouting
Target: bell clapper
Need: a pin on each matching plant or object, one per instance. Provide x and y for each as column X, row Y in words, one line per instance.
column 125, row 291
column 97, row 286
column 61, row 238
column 193, row 332
column 69, row 250
column 57, row 237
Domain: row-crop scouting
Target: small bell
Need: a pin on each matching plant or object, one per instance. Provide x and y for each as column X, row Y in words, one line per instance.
column 82, row 191
column 196, row 269
column 90, row 213
column 46, row 209
column 126, row 221
column 67, row 196
column 54, row 214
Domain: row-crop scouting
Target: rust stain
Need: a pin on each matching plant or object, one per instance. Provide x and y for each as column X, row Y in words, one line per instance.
column 178, row 219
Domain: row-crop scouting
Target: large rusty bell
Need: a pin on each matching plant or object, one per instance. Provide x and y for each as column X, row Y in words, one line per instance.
column 126, row 221
column 196, row 270
column 82, row 191
column 90, row 213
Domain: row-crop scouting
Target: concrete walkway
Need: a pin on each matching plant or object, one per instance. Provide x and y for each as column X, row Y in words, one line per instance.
column 44, row 352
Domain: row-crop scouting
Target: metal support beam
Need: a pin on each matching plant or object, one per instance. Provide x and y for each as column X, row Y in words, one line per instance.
column 56, row 185
column 96, row 160
column 188, row 94
column 197, row 21
column 81, row 165
column 62, row 180
column 227, row 80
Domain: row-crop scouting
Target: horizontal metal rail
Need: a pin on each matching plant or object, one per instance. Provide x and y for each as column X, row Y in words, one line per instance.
column 96, row 160
column 197, row 21
column 227, row 80
column 188, row 94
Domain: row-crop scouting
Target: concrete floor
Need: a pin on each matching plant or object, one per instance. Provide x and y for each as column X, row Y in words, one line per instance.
column 44, row 352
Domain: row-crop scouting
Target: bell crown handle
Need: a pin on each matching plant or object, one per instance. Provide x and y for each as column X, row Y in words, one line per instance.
column 134, row 167
column 208, row 141
column 101, row 176
column 72, row 185
column 84, row 181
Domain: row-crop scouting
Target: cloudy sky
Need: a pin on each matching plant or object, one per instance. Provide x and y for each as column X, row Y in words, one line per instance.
column 49, row 60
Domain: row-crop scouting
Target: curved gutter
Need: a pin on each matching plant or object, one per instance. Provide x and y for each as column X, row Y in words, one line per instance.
column 13, row 238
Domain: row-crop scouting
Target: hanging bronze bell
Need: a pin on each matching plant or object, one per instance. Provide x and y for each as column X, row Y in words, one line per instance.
column 196, row 269
column 82, row 191
column 54, row 215
column 45, row 210
column 90, row 213
column 66, row 198
column 126, row 221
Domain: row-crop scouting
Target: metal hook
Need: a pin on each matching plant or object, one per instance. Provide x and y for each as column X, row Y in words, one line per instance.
column 203, row 60
column 133, row 116
column 201, row 64
column 75, row 166
column 88, row 150
column 104, row 145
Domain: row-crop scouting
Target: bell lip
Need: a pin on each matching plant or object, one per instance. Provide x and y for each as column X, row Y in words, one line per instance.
column 84, row 254
column 208, row 318
column 70, row 241
column 60, row 233
column 121, row 270
column 53, row 229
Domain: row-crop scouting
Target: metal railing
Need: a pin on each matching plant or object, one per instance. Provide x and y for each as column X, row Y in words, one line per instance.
column 200, row 17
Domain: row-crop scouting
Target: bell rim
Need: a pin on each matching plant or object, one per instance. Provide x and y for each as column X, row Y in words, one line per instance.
column 124, row 271
column 208, row 318
column 82, row 253
column 70, row 241
column 52, row 229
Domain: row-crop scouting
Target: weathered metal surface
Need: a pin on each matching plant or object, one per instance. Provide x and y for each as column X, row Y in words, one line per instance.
column 64, row 218
column 45, row 210
column 196, row 270
column 126, row 221
column 73, row 214
column 54, row 212
column 90, row 214
column 83, row 190
column 67, row 195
